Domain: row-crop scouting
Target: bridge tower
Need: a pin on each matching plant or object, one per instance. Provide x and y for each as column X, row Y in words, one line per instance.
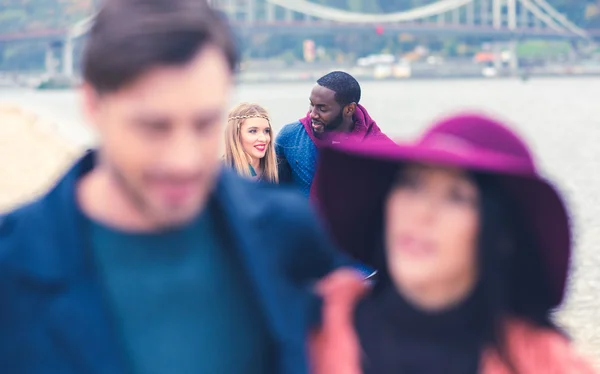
column 511, row 23
column 51, row 60
column 67, row 61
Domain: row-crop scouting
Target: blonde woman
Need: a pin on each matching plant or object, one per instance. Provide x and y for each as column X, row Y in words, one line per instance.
column 248, row 147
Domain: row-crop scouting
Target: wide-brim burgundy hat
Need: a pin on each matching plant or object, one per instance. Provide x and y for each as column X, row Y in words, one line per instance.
column 353, row 179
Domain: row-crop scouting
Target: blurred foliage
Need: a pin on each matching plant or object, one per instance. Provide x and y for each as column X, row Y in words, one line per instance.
column 531, row 49
column 21, row 16
column 18, row 16
column 24, row 15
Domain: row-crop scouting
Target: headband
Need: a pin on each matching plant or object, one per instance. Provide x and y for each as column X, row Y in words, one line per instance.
column 249, row 116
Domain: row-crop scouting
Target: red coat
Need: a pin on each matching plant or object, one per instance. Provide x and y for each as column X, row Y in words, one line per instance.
column 334, row 348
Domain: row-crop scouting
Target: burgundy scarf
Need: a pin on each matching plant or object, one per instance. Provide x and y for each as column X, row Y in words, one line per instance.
column 364, row 128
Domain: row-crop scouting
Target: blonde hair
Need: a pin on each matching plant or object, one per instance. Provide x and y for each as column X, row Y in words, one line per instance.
column 235, row 156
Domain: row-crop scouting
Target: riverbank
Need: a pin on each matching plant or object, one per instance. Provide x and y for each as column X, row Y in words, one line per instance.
column 276, row 71
column 279, row 72
column 33, row 155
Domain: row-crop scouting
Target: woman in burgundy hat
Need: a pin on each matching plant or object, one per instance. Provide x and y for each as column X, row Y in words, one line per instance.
column 472, row 248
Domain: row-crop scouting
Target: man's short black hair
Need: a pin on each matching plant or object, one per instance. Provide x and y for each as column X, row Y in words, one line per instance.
column 346, row 88
column 129, row 37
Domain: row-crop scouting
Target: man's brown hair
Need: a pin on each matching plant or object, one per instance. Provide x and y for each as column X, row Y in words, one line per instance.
column 129, row 37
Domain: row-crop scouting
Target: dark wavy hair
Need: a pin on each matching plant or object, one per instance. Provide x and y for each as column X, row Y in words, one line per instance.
column 512, row 280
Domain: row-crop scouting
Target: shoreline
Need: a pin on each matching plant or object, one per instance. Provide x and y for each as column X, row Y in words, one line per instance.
column 308, row 73
column 424, row 78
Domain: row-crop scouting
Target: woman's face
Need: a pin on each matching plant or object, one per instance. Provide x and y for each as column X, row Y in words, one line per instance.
column 255, row 136
column 432, row 224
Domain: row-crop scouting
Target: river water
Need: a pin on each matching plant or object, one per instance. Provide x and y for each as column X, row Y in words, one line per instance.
column 560, row 118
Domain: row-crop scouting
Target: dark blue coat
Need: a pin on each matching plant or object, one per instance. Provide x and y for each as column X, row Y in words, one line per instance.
column 53, row 318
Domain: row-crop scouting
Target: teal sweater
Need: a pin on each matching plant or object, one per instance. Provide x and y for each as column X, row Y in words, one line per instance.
column 182, row 302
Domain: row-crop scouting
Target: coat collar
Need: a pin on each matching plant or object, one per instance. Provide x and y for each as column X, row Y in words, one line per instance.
column 55, row 260
column 335, row 348
column 54, row 254
column 57, row 252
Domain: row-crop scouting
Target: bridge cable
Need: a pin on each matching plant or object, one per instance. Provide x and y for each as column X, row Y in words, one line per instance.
column 340, row 15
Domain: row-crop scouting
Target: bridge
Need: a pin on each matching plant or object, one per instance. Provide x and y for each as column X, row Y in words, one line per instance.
column 499, row 20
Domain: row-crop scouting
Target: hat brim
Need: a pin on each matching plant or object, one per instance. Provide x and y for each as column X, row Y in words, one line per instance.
column 352, row 183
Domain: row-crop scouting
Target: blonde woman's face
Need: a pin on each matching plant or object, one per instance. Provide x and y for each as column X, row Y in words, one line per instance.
column 255, row 136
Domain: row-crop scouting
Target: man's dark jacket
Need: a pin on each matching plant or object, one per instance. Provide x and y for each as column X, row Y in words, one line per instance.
column 54, row 319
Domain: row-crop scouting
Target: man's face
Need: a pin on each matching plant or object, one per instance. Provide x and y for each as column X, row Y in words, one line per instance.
column 161, row 136
column 325, row 112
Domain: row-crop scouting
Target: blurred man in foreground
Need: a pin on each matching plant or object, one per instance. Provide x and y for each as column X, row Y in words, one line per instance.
column 146, row 257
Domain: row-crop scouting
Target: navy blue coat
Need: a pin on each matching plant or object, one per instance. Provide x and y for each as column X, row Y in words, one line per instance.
column 54, row 320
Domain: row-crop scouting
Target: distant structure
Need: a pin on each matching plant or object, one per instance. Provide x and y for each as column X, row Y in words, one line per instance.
column 500, row 20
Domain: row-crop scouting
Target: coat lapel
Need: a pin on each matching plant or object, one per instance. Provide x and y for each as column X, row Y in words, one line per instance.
column 286, row 304
column 81, row 325
column 240, row 226
column 60, row 269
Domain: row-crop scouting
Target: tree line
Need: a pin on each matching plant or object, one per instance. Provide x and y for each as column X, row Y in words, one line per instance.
column 21, row 15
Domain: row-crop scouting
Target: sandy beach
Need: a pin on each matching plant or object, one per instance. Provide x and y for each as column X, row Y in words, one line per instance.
column 33, row 155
